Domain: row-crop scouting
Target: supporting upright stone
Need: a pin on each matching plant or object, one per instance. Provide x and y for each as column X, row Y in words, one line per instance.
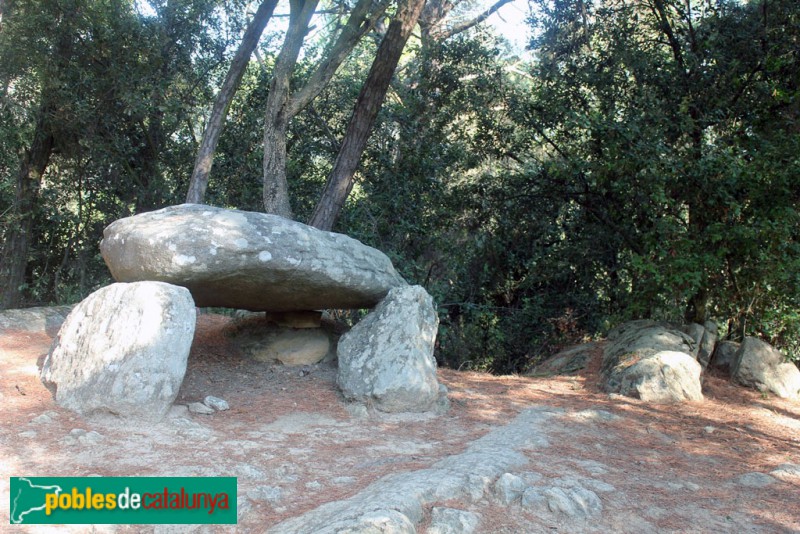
column 387, row 359
column 123, row 350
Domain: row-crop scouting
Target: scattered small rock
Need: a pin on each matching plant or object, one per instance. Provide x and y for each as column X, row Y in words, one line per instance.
column 595, row 415
column 579, row 503
column 216, row 403
column 90, row 438
column 356, row 410
column 80, row 436
column 583, row 482
column 30, row 434
column 271, row 494
column 200, row 408
column 532, row 498
column 531, row 477
column 249, row 471
column 477, row 486
column 755, row 480
column 594, row 467
column 709, row 429
column 46, row 417
column 381, row 521
column 509, row 488
column 452, row 521
column 784, row 471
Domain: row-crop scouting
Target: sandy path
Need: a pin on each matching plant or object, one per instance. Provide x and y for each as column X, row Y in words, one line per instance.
column 294, row 446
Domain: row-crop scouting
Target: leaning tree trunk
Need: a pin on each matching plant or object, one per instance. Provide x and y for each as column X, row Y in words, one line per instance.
column 340, row 180
column 14, row 259
column 284, row 106
column 213, row 130
column 276, row 188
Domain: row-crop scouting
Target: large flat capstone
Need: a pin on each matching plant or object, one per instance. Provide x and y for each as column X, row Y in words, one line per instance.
column 247, row 260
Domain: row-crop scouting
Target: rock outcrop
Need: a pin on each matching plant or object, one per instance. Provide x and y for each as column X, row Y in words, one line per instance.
column 452, row 521
column 696, row 332
column 705, row 339
column 396, row 502
column 123, row 350
column 262, row 338
column 386, row 360
column 301, row 347
column 652, row 362
column 707, row 343
column 247, row 260
column 566, row 362
column 724, row 354
column 757, row 364
column 46, row 320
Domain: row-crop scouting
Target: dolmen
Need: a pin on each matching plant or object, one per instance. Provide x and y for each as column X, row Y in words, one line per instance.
column 123, row 350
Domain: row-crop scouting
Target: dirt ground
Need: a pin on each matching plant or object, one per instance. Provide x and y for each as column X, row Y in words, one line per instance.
column 294, row 446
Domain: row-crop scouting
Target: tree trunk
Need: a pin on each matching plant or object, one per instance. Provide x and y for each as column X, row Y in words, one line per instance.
column 213, row 130
column 276, row 189
column 14, row 259
column 340, row 180
column 697, row 309
column 284, row 107
column 276, row 186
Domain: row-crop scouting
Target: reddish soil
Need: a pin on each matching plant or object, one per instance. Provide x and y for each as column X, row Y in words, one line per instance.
column 293, row 445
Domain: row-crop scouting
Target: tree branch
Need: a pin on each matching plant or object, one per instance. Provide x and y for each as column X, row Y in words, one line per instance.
column 458, row 28
column 320, row 12
column 663, row 20
column 361, row 20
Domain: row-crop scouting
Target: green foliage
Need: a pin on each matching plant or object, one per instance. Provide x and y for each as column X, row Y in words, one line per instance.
column 118, row 92
column 653, row 130
column 642, row 162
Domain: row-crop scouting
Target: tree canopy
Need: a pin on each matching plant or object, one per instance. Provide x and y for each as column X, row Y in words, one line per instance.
column 639, row 159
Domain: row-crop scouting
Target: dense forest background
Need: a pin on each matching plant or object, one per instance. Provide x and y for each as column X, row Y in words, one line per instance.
column 640, row 159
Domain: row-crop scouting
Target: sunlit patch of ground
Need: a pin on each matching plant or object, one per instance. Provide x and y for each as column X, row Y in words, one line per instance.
column 294, row 446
